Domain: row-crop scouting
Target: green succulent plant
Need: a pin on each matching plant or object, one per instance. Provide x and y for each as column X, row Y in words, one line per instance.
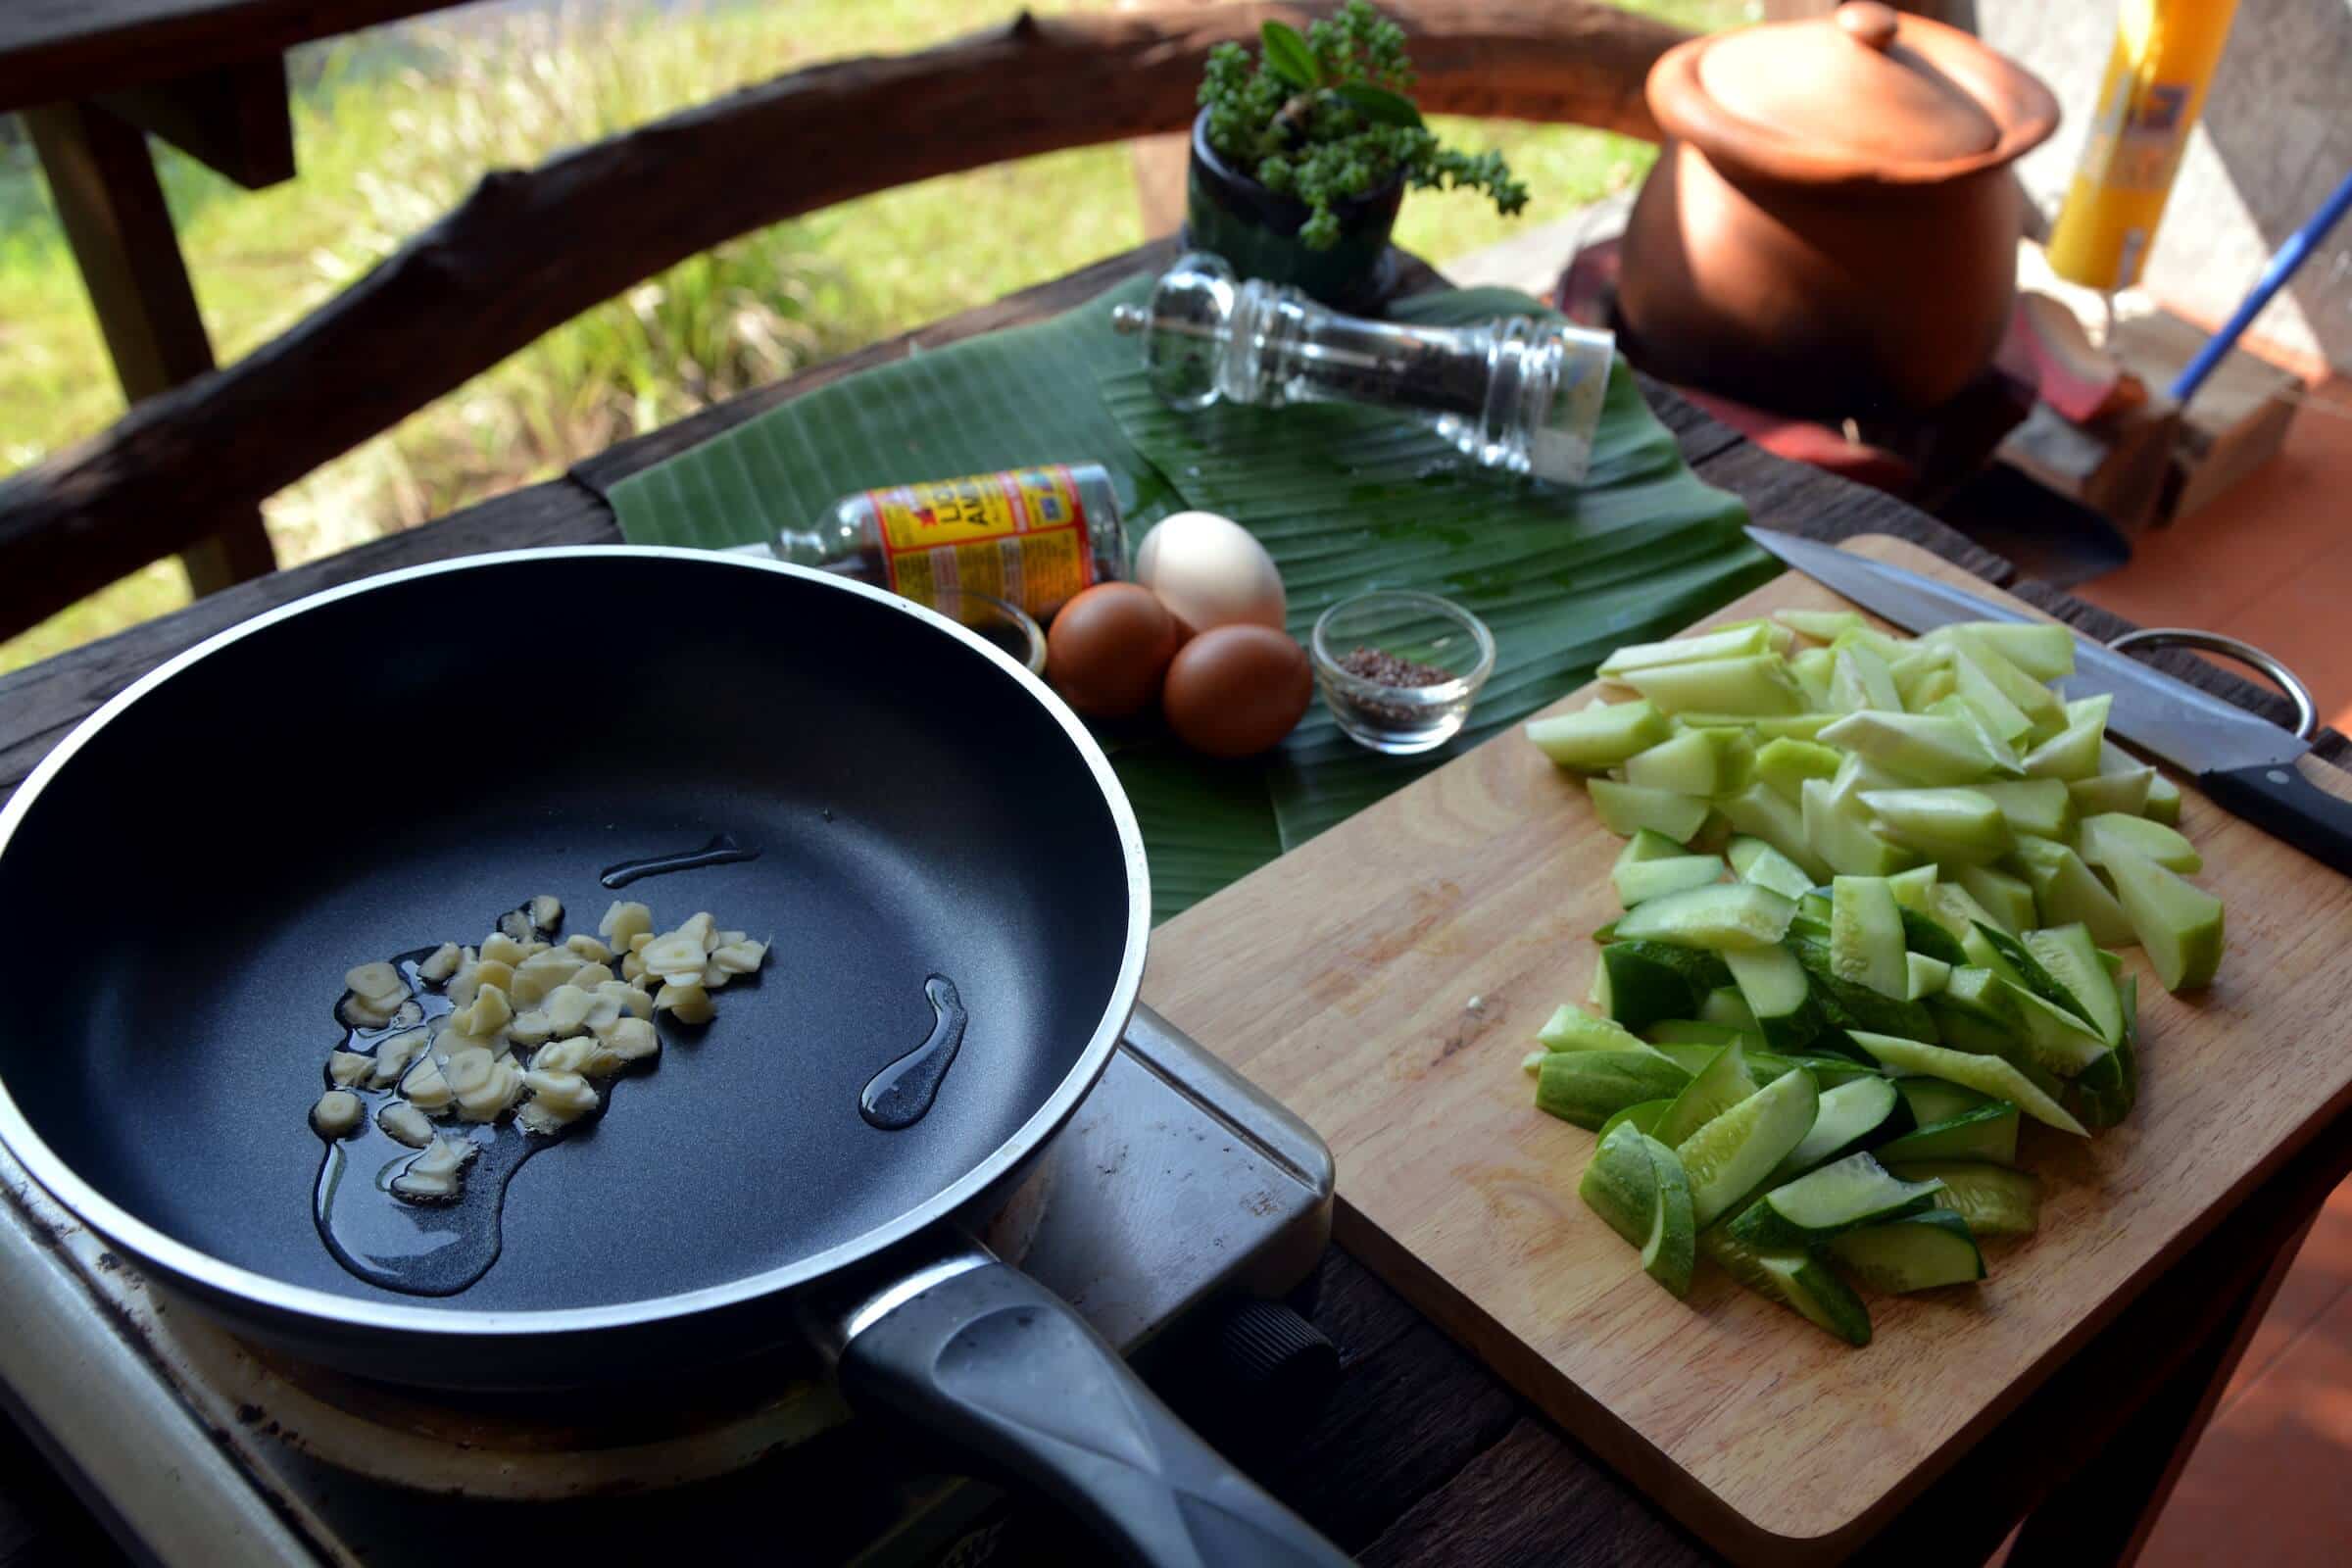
column 1323, row 117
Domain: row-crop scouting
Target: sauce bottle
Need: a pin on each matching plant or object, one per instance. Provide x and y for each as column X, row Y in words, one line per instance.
column 1034, row 537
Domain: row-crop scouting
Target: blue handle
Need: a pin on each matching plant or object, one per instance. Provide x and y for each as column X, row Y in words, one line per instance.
column 2283, row 265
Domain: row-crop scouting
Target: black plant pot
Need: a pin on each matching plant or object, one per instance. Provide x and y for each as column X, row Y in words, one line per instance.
column 1256, row 230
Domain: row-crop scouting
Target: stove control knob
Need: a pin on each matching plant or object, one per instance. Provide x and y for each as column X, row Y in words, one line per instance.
column 1276, row 1354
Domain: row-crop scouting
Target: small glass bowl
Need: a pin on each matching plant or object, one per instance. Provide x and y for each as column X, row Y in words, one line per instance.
column 999, row 621
column 1398, row 719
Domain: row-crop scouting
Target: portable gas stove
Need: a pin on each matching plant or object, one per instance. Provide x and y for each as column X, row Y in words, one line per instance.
column 1177, row 1195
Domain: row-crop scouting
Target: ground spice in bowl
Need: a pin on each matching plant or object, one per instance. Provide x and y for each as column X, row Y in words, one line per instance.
column 1372, row 664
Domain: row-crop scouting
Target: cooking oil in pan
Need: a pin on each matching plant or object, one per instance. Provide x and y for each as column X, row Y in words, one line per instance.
column 722, row 849
column 900, row 1094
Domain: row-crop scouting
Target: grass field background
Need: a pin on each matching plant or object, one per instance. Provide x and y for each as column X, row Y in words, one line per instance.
column 392, row 128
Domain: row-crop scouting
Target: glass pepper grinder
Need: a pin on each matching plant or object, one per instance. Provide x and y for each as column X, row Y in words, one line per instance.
column 1516, row 393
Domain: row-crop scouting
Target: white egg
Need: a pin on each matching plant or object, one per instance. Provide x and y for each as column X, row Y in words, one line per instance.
column 1210, row 572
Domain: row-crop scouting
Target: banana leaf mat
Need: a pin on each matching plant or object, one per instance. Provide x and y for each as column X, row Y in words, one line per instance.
column 1344, row 498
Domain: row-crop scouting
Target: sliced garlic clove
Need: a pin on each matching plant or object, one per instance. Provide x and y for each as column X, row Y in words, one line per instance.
column 542, row 972
column 376, row 982
column 640, row 941
column 687, row 1003
column 441, row 963
column 728, row 938
column 404, row 1122
column 624, row 920
column 337, row 1112
column 567, row 1008
column 499, row 947
column 354, row 1011
column 515, row 923
column 588, row 976
column 586, row 947
column 501, row 1084
column 631, row 1040
column 703, row 929
column 714, row 977
column 393, row 1056
column 602, row 1014
column 633, row 1000
column 348, row 1068
column 566, row 1094
column 632, row 967
column 535, row 946
column 437, row 1174
column 489, row 1014
column 678, row 952
column 564, row 1055
column 530, row 1027
column 427, row 1089
column 544, row 911
column 739, row 957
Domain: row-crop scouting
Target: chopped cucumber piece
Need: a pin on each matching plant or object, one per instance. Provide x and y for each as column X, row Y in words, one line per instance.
column 1932, row 689
column 1994, row 1200
column 1925, row 977
column 1696, row 1032
column 1957, row 826
column 2105, row 1092
column 2009, row 900
column 1728, row 1156
column 1926, row 938
column 1637, row 988
column 1697, row 761
column 1594, row 740
column 1796, row 1280
column 1842, row 835
column 1643, row 1117
column 1764, row 726
column 1786, row 764
column 1866, row 935
column 2043, row 713
column 2178, row 924
column 1620, row 1184
column 2074, row 751
column 1588, row 1087
column 2163, row 845
column 1843, row 1195
column 1932, row 1099
column 1758, row 811
column 1725, row 642
column 1648, row 844
column 1692, row 1058
column 1671, row 1252
column 1989, row 1075
column 1957, row 910
column 1853, row 1006
column 1628, row 809
column 1917, row 1252
column 2066, row 892
column 2040, row 806
column 1822, row 625
column 2163, row 802
column 1725, row 1005
column 1571, row 1028
column 1723, row 1084
column 1913, row 669
column 1985, row 699
column 2042, row 650
column 1645, row 880
column 1779, row 996
column 1533, row 1061
column 1829, row 1072
column 1876, row 641
column 1926, row 748
column 1850, row 1112
column 1754, row 861
column 1912, row 888
column 2126, row 791
column 1729, row 917
column 2057, row 1041
column 2069, row 958
column 1758, row 684
column 1859, row 680
column 1982, row 1132
column 1986, row 993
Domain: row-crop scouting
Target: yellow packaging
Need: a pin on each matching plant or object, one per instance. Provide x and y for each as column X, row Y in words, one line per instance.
column 2165, row 54
column 1020, row 535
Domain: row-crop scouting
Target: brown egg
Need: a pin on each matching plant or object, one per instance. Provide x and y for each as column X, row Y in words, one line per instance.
column 1233, row 691
column 1108, row 648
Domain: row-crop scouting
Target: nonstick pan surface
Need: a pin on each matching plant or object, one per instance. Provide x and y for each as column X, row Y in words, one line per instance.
column 182, row 887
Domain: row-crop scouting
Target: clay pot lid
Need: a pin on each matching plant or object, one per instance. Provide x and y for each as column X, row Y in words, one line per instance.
column 1865, row 94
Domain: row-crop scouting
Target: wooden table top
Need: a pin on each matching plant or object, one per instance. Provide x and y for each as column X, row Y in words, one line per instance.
column 54, row 50
column 1421, row 1455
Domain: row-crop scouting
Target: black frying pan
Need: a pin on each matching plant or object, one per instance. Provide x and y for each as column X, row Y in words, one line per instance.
column 184, row 880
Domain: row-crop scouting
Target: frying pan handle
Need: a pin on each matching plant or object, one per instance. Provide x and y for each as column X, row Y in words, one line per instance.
column 990, row 1360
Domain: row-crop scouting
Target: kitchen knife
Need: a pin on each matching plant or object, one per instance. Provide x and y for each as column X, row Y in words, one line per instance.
column 2248, row 766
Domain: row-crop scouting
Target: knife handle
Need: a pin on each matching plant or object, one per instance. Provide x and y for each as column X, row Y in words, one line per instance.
column 2296, row 803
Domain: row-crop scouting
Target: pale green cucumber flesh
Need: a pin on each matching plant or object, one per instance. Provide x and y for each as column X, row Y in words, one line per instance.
column 1989, row 1075
column 1759, row 813
column 1696, row 761
column 2008, row 899
column 2163, row 802
column 1755, row 860
column 1672, row 1250
column 1621, row 1184
column 2042, row 650
column 1757, row 683
column 1594, row 740
column 1628, row 809
column 1987, row 1132
column 1654, row 879
column 2066, row 891
column 1720, row 1085
column 2102, row 793
column 1730, row 916
column 1822, row 625
column 1725, row 1005
column 1866, row 934
column 1588, row 1087
column 1932, row 1099
column 1641, row 1116
column 1848, row 1113
column 1851, row 1006
column 2039, row 807
column 1786, row 763
column 1796, row 1280
column 1698, row 1032
column 1778, row 994
column 1648, row 844
column 1924, row 977
column 2166, row 846
column 1917, row 1252
column 2179, row 925
column 1727, row 1157
column 1842, row 837
column 1841, row 1196
column 1923, row 935
column 1571, row 1028
column 1994, row 1200
column 1725, row 642
column 1859, row 679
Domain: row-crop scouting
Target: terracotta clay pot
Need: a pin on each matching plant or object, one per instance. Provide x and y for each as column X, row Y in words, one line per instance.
column 1831, row 227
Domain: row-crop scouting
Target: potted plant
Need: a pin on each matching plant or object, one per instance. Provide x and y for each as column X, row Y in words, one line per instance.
column 1300, row 158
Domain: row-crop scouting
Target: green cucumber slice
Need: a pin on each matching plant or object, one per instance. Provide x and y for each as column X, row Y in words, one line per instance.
column 1696, row 761
column 1763, row 726
column 2041, row 650
column 1645, row 880
column 1588, row 1087
column 1796, row 1280
column 1866, row 934
column 1728, row 1156
column 1928, row 748
column 1642, row 1117
column 1689, row 1057
column 1917, row 1252
column 2010, row 901
column 1924, row 977
column 2163, row 802
column 2057, row 1041
column 1779, row 996
column 1594, row 740
column 1848, row 1113
column 1671, row 1252
column 1786, row 763
column 1953, row 825
column 1628, row 809
column 1843, row 837
column 1701, row 967
column 1931, row 689
column 1636, row 989
column 1829, row 1072
column 1860, row 680
column 1989, row 1075
column 1725, row 641
column 1932, row 1099
column 1811, row 668
column 2044, row 714
column 1822, row 625
column 2039, row 807
column 1928, row 938
column 1754, row 861
column 1697, row 1032
column 2074, row 751
column 1759, row 813
column 1987, row 1132
column 1621, row 1184
column 1731, row 917
column 1851, row 1006
column 1571, row 1028
column 2124, row 792
column 2069, row 960
column 1723, row 1084
column 1842, row 1195
column 2163, row 845
column 1994, row 1200
column 2066, row 891
column 1648, row 844
column 1985, row 699
column 2103, row 1096
column 1724, row 1005
column 2178, row 924
column 1757, row 683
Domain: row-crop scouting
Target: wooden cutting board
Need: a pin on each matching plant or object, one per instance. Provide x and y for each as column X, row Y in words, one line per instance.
column 1385, row 979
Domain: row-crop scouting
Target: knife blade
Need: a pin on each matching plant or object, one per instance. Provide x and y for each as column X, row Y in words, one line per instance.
column 2247, row 766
